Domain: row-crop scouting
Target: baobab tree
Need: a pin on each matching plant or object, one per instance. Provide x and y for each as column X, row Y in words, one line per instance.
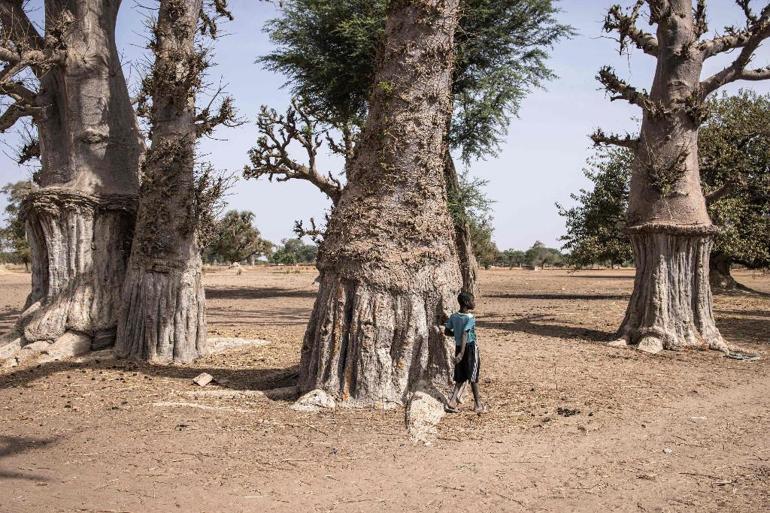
column 327, row 48
column 387, row 272
column 670, row 229
column 68, row 81
column 163, row 314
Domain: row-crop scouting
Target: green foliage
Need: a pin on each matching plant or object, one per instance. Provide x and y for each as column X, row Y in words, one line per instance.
column 540, row 256
column 484, row 249
column 13, row 236
column 294, row 251
column 327, row 49
column 470, row 206
column 734, row 151
column 511, row 258
column 469, row 203
column 735, row 155
column 501, row 50
column 596, row 225
column 236, row 239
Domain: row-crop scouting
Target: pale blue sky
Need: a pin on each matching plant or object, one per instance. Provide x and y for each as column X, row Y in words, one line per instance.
column 540, row 162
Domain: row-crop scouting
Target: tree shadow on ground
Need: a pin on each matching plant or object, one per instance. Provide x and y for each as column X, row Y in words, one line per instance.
column 744, row 330
column 245, row 379
column 8, row 320
column 13, row 445
column 255, row 293
column 603, row 276
column 217, row 316
column 744, row 313
column 526, row 325
column 563, row 297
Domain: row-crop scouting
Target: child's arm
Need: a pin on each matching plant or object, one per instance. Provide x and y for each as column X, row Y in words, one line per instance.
column 459, row 356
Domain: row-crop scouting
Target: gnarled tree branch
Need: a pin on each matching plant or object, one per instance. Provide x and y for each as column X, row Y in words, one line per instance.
column 12, row 114
column 758, row 29
column 271, row 158
column 625, row 26
column 627, row 141
column 622, row 90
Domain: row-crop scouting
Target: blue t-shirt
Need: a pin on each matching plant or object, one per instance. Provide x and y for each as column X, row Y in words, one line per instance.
column 461, row 322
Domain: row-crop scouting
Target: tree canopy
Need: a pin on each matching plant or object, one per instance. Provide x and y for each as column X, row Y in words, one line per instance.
column 328, row 48
column 236, row 239
column 596, row 224
column 294, row 251
column 13, row 236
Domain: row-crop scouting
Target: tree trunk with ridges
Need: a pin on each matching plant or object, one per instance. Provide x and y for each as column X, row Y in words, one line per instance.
column 163, row 314
column 388, row 264
column 80, row 221
column 671, row 304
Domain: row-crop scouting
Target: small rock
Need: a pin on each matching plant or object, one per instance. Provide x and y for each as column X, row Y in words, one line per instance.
column 423, row 414
column 68, row 345
column 314, row 401
column 32, row 351
column 667, row 450
column 621, row 342
column 203, row 379
column 697, row 419
column 652, row 345
column 10, row 349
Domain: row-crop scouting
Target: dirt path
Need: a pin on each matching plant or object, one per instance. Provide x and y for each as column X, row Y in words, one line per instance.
column 575, row 426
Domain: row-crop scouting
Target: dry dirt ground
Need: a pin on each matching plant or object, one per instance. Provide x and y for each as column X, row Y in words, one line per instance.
column 574, row 425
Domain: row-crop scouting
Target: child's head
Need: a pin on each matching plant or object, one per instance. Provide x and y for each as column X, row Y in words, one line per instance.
column 466, row 301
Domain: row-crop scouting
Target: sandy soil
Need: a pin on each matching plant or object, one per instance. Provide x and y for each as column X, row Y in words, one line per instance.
column 574, row 426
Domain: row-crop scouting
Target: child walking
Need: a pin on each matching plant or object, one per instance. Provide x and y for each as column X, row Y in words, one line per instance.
column 462, row 325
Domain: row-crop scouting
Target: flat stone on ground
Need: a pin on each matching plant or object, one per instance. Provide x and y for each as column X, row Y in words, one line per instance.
column 314, row 401
column 222, row 344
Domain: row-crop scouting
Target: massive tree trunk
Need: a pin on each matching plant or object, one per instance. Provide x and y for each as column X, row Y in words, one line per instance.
column 80, row 221
column 163, row 315
column 671, row 232
column 388, row 274
column 462, row 232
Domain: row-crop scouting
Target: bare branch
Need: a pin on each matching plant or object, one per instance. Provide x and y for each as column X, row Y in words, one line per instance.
column 601, row 138
column 756, row 74
column 12, row 114
column 226, row 115
column 625, row 26
column 757, row 29
column 622, row 90
column 271, row 158
column 724, row 191
column 17, row 27
column 314, row 232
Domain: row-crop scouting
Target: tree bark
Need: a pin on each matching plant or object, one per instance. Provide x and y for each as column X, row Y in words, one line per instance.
column 387, row 272
column 720, row 276
column 163, row 315
column 671, row 305
column 462, row 234
column 80, row 221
